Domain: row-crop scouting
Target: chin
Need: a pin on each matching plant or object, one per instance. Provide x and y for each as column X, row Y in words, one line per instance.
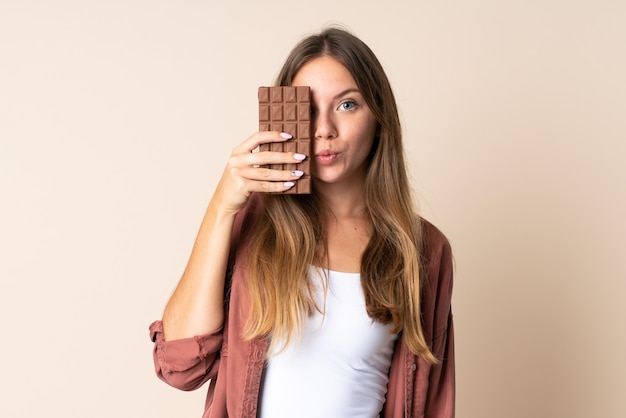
column 325, row 177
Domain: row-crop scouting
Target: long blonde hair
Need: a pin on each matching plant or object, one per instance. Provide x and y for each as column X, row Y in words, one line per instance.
column 290, row 229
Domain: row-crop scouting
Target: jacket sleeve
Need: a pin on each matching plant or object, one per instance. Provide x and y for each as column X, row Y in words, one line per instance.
column 187, row 363
column 436, row 383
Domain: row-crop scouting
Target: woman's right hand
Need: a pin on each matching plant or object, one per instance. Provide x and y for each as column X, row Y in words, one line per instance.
column 246, row 172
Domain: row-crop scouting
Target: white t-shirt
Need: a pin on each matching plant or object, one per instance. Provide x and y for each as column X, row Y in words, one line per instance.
column 339, row 368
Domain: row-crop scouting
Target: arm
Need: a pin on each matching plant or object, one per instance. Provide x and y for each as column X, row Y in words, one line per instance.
column 197, row 305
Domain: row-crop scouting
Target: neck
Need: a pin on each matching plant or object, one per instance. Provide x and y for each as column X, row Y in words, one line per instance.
column 342, row 202
column 348, row 228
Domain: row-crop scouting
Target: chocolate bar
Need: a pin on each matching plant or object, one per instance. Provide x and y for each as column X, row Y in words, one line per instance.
column 288, row 109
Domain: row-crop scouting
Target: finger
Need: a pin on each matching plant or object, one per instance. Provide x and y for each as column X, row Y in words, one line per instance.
column 269, row 174
column 263, row 137
column 255, row 159
column 272, row 186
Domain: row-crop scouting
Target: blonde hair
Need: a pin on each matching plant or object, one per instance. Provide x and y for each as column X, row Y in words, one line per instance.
column 290, row 229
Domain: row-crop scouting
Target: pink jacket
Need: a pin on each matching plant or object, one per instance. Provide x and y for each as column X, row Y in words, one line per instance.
column 234, row 367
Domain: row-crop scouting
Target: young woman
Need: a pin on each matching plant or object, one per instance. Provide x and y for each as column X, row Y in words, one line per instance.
column 333, row 304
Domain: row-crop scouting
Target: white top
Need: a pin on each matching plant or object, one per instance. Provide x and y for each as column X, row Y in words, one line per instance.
column 339, row 368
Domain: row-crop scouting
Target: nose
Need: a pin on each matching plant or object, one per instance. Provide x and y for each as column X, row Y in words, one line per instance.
column 323, row 125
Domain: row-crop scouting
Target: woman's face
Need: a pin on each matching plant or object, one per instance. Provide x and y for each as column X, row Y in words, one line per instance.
column 343, row 126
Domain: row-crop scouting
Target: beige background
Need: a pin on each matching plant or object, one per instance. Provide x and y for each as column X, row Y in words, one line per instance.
column 116, row 118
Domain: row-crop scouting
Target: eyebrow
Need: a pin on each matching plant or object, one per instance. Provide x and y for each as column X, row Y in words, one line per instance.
column 347, row 91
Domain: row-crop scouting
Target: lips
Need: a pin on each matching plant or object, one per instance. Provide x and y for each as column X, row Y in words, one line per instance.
column 326, row 157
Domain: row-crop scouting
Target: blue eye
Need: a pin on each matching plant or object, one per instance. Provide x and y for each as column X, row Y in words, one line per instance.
column 347, row 105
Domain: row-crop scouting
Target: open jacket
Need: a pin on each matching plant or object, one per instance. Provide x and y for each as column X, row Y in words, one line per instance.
column 234, row 367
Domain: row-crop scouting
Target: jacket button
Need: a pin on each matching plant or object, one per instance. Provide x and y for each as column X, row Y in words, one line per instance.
column 413, row 367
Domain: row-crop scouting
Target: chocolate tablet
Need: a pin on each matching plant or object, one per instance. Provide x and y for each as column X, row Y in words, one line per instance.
column 288, row 109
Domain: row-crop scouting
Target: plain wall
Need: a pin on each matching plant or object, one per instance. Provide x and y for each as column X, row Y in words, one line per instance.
column 116, row 120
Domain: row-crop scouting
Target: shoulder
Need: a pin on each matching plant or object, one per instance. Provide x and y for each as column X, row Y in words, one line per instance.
column 436, row 260
column 433, row 241
column 247, row 218
column 243, row 230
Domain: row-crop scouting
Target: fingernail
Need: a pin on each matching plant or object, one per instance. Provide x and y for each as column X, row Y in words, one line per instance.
column 288, row 184
column 299, row 157
column 285, row 135
column 297, row 173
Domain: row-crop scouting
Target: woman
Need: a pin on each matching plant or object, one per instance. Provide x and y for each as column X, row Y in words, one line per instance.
column 334, row 304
